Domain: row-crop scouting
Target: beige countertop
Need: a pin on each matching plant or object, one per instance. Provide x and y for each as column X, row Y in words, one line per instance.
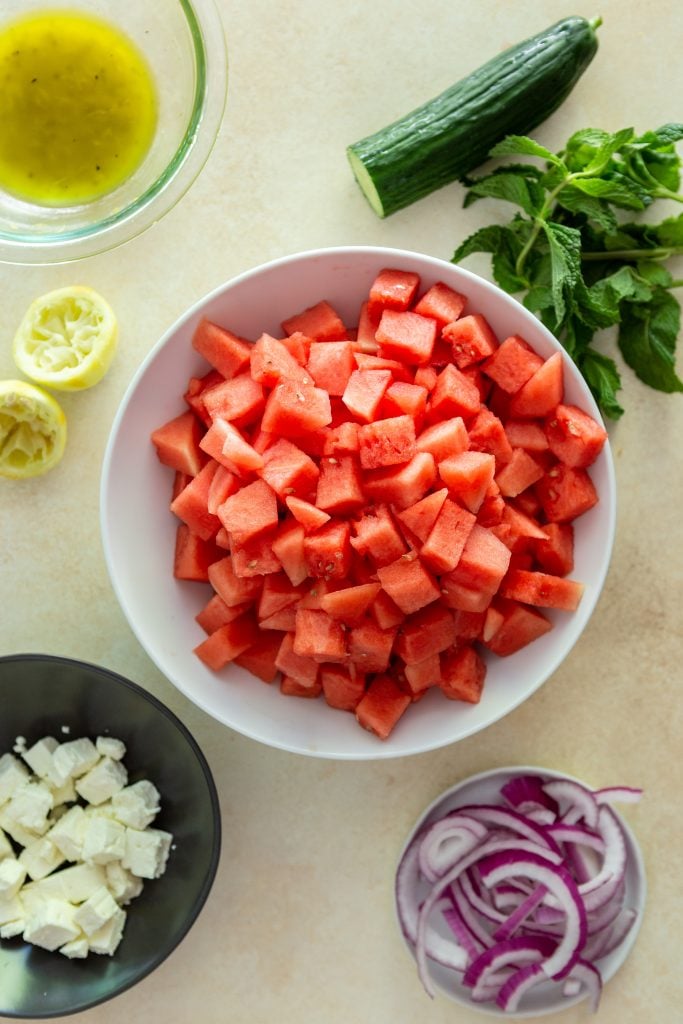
column 300, row 923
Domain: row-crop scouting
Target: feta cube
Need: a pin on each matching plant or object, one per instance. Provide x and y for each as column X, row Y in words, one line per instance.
column 106, row 939
column 122, row 883
column 41, row 762
column 5, row 846
column 13, row 775
column 77, row 949
column 65, row 794
column 12, row 928
column 41, row 858
column 11, row 909
column 67, row 833
column 108, row 746
column 75, row 757
column 17, row 832
column 146, row 852
column 75, row 884
column 51, row 924
column 94, row 913
column 12, row 875
column 104, row 840
column 102, row 781
column 138, row 805
column 30, row 806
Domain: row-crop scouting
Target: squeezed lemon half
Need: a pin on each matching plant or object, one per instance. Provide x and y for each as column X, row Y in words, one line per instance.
column 67, row 339
column 32, row 430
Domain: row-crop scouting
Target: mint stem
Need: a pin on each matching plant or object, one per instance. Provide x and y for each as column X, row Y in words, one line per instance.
column 634, row 254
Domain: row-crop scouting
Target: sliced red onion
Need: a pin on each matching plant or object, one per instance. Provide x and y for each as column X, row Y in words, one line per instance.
column 561, row 885
column 618, row 795
column 525, row 791
column 518, row 984
column 447, row 840
column 579, row 802
column 588, row 976
column 530, row 892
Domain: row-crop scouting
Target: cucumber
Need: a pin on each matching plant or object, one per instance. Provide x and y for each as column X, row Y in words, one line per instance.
column 452, row 134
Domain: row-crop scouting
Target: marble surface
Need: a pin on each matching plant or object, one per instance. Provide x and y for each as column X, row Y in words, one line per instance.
column 300, row 924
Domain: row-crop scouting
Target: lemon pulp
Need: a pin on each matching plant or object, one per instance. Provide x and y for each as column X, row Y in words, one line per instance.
column 78, row 107
column 67, row 338
column 32, row 430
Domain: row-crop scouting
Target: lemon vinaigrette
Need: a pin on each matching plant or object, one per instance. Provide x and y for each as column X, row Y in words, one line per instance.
column 78, row 107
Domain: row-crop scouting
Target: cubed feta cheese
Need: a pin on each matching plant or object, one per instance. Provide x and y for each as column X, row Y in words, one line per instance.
column 51, row 924
column 77, row 949
column 102, row 781
column 104, row 839
column 65, row 794
column 5, row 846
column 12, row 875
column 41, row 858
column 108, row 746
column 75, row 884
column 30, row 806
column 11, row 909
column 146, row 852
column 12, row 928
column 41, row 762
column 96, row 911
column 107, row 938
column 20, row 835
column 122, row 883
column 75, row 757
column 13, row 775
column 67, row 833
column 138, row 805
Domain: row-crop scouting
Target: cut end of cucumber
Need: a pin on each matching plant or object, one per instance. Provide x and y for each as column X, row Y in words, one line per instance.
column 365, row 181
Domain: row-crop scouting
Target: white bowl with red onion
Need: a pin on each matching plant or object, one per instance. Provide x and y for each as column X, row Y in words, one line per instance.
column 520, row 891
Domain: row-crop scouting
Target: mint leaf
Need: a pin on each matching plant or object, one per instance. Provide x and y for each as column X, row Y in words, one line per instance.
column 511, row 187
column 621, row 193
column 521, row 145
column 647, row 340
column 595, row 209
column 603, row 379
column 505, row 243
column 607, row 148
column 565, row 263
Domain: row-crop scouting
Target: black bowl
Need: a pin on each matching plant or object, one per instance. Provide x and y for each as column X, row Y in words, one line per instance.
column 39, row 696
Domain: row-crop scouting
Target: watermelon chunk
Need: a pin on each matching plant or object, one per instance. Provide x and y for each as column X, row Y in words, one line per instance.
column 238, row 400
column 468, row 477
column 442, row 303
column 387, row 442
column 471, row 339
column 225, row 351
column 401, row 485
column 272, row 362
column 454, row 394
column 443, row 548
column 420, row 517
column 249, row 512
column 512, row 364
column 259, row 659
column 294, row 409
column 216, row 613
column 339, row 490
column 425, row 633
column 406, row 337
column 409, row 584
column 520, row 472
column 228, row 642
column 381, row 706
column 319, row 636
column 542, row 392
column 449, row 437
column 177, row 444
column 193, row 555
column 370, row 647
column 327, row 552
column 289, row 471
column 364, row 392
column 403, row 397
column 288, row 547
column 320, row 322
column 542, row 589
column 350, row 603
column 194, row 393
column 518, row 627
column 420, row 675
column 392, row 289
column 566, row 493
column 330, row 364
column 483, row 563
column 462, row 674
column 231, row 588
column 310, row 516
column 555, row 553
column 192, row 504
column 376, row 536
column 299, row 667
column 574, row 437
column 341, row 688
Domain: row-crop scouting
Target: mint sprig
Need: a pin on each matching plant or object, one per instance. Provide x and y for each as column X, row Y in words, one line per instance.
column 581, row 264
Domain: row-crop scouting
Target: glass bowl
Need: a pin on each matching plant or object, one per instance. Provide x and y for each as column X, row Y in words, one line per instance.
column 183, row 44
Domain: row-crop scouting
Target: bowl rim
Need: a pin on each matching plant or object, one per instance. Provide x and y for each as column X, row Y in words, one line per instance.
column 193, row 313
column 618, row 957
column 207, row 36
column 216, row 841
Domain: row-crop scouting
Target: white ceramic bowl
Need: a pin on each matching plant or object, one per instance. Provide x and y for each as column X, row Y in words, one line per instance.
column 484, row 788
column 138, row 530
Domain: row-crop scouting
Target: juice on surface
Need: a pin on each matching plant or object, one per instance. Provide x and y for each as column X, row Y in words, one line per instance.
column 78, row 107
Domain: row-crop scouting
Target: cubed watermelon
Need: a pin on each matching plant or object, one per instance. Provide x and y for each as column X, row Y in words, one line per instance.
column 408, row 583
column 381, row 706
column 387, row 442
column 406, row 336
column 225, row 351
column 177, row 444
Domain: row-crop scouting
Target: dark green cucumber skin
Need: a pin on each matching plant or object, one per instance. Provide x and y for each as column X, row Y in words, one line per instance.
column 452, row 134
